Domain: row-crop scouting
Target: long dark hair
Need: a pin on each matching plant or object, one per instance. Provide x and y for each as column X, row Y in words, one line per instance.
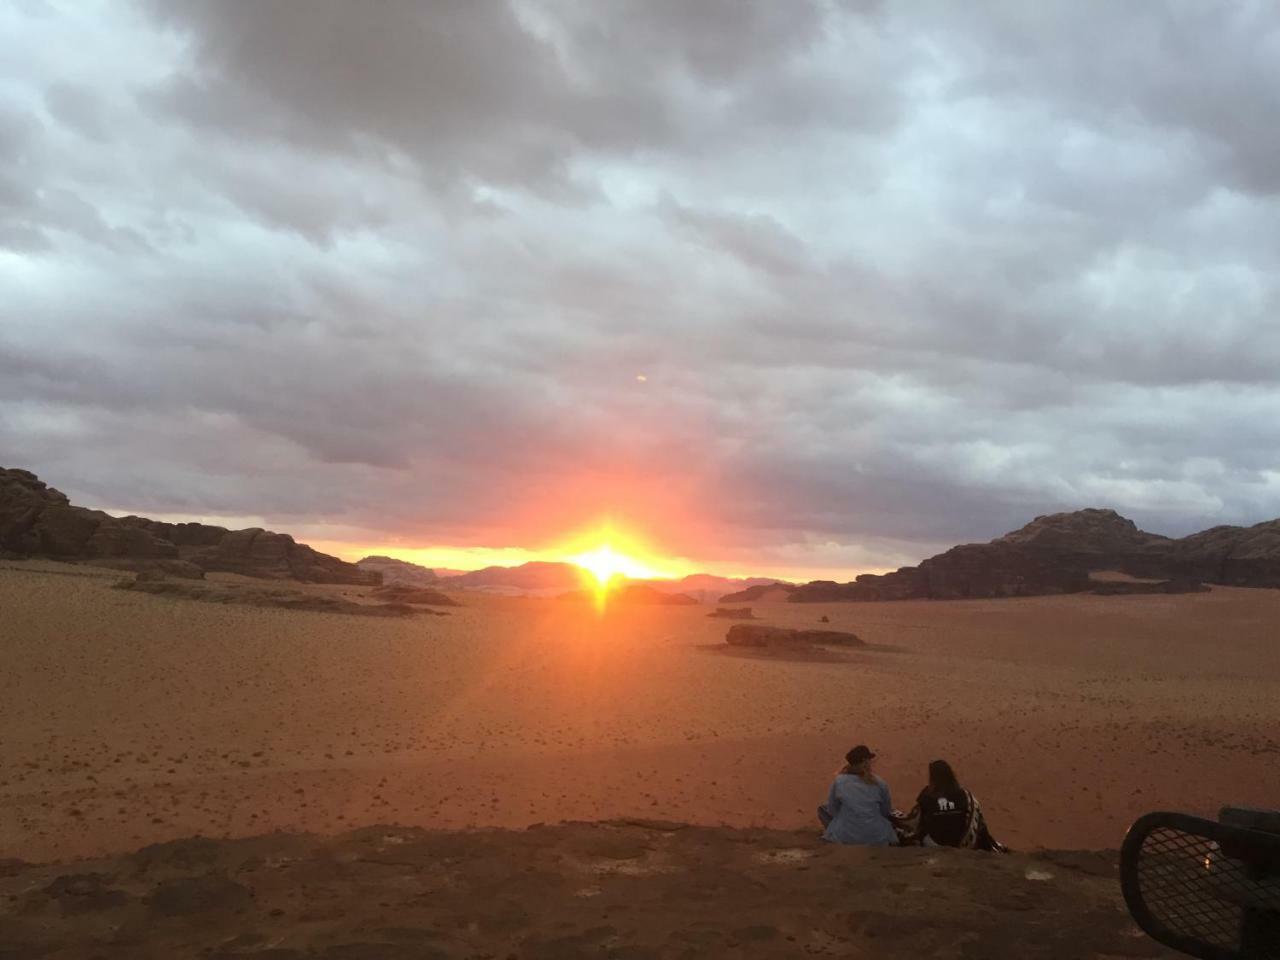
column 942, row 777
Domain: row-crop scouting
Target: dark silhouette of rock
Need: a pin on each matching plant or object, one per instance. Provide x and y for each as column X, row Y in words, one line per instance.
column 733, row 613
column 37, row 520
column 398, row 571
column 398, row 593
column 754, row 635
column 261, row 553
column 1055, row 554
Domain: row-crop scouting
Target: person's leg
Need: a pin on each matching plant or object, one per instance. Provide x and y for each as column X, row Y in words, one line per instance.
column 824, row 816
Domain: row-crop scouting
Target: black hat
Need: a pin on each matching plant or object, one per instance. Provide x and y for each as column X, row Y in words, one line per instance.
column 859, row 753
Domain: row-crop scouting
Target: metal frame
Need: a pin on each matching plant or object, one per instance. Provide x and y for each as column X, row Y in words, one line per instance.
column 1268, row 844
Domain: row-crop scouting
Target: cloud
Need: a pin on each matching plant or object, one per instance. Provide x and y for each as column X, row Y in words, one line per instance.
column 894, row 277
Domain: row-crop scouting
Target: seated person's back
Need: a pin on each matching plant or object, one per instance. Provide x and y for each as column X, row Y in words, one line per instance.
column 858, row 806
column 944, row 814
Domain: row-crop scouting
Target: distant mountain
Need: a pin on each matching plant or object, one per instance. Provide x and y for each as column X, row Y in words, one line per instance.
column 37, row 520
column 398, row 571
column 1056, row 553
column 533, row 577
column 635, row 593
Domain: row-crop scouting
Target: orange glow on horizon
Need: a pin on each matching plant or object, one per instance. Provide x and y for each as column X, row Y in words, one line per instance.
column 604, row 563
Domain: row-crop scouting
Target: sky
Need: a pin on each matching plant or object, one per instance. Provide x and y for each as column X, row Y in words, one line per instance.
column 806, row 289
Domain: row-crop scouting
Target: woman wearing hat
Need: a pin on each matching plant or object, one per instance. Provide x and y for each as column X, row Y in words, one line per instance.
column 858, row 808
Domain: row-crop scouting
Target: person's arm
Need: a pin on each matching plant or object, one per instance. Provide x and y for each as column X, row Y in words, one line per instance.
column 886, row 805
column 833, row 800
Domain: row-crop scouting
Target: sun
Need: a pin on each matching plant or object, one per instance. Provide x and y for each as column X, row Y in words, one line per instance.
column 605, row 563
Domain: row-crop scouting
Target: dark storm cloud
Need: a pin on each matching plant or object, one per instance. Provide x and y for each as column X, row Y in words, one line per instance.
column 893, row 277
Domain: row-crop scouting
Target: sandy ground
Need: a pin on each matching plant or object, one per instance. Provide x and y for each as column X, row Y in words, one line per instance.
column 623, row 891
column 128, row 719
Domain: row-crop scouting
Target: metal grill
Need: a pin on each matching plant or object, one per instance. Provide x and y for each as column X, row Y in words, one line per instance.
column 1205, row 888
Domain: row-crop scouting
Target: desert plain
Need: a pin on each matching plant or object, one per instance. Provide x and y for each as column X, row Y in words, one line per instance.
column 128, row 719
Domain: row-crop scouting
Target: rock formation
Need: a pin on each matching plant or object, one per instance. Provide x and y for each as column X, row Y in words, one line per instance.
column 399, row 571
column 622, row 889
column 758, row 635
column 37, row 520
column 1055, row 554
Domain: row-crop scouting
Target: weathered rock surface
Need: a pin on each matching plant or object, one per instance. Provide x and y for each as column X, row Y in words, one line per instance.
column 1055, row 554
column 398, row 571
column 37, row 520
column 622, row 889
column 759, row 635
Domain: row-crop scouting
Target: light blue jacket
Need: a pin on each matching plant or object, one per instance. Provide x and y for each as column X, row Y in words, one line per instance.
column 859, row 812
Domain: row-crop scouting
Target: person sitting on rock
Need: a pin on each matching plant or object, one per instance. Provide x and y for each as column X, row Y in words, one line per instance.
column 948, row 815
column 858, row 809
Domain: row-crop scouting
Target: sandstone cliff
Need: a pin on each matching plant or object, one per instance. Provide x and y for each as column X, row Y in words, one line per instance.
column 37, row 520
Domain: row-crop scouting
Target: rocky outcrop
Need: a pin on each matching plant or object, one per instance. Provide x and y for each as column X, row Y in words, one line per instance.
column 400, row 572
column 1055, row 554
column 971, row 570
column 1231, row 556
column 37, row 520
column 623, row 889
column 756, row 635
column 260, row 553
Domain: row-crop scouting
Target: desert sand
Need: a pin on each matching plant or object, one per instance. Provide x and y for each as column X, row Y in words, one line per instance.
column 128, row 719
